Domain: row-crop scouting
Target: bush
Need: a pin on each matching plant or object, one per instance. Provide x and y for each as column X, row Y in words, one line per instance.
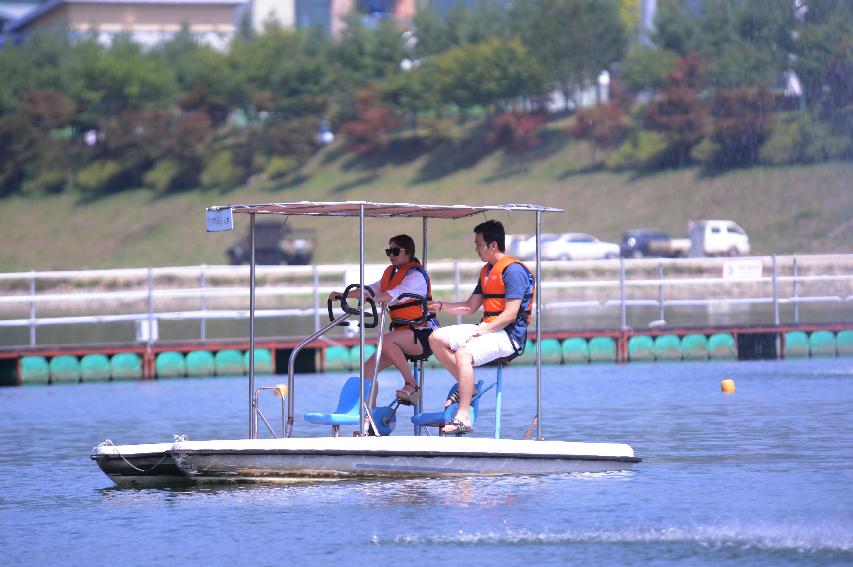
column 641, row 150
column 799, row 138
column 436, row 131
column 296, row 137
column 220, row 171
column 99, row 176
column 163, row 175
column 603, row 125
column 515, row 131
column 369, row 132
column 280, row 166
column 47, row 181
column 742, row 122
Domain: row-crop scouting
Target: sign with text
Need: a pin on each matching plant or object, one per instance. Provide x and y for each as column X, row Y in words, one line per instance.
column 742, row 269
column 219, row 220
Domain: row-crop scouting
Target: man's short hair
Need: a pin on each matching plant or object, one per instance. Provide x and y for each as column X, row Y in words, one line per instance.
column 492, row 231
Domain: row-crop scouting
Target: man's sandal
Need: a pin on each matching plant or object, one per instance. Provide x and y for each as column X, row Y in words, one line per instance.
column 461, row 428
column 409, row 394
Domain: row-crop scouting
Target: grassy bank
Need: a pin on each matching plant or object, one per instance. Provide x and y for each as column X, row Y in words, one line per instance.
column 806, row 209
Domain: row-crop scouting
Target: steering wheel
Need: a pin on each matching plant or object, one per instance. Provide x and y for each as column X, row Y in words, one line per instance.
column 371, row 317
column 424, row 310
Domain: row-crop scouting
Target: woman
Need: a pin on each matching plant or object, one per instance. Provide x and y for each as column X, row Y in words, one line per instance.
column 404, row 275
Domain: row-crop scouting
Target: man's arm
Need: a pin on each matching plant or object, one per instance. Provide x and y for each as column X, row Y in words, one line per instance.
column 458, row 308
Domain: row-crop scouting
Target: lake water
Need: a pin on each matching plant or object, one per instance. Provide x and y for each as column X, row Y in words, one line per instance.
column 759, row 477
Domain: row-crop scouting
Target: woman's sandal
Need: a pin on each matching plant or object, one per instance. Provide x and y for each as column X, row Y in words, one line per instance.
column 409, row 394
column 461, row 428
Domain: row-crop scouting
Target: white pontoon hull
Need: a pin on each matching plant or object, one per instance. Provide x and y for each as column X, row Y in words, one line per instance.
column 275, row 460
column 139, row 465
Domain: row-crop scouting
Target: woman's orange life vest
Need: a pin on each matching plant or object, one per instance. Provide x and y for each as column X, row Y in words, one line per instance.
column 494, row 291
column 410, row 309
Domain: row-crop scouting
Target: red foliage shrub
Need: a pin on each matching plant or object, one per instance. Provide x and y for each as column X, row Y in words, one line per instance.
column 369, row 132
column 48, row 109
column 515, row 130
column 679, row 113
column 742, row 122
column 602, row 124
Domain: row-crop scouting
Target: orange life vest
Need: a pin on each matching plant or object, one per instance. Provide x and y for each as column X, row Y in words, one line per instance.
column 494, row 291
column 409, row 309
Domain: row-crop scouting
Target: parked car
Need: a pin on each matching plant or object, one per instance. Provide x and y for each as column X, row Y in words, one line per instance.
column 523, row 247
column 640, row 243
column 578, row 246
column 717, row 238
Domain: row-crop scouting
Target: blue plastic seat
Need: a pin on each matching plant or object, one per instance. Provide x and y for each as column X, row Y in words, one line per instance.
column 347, row 412
column 440, row 418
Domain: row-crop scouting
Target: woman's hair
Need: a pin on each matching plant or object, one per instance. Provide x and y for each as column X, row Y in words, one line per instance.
column 405, row 242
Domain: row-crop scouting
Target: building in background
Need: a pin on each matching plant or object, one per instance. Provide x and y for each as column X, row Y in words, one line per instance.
column 212, row 21
column 12, row 11
column 148, row 22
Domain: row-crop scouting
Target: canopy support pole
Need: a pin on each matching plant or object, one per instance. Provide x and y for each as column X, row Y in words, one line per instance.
column 361, row 413
column 538, row 296
column 253, row 418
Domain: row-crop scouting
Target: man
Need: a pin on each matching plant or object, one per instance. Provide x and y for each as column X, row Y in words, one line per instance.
column 505, row 291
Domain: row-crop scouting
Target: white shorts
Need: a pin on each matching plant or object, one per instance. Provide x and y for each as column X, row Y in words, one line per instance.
column 483, row 349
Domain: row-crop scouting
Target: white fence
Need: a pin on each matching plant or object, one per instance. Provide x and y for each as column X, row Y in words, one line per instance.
column 149, row 296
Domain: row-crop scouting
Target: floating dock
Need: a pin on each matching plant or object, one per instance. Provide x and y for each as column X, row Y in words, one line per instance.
column 174, row 359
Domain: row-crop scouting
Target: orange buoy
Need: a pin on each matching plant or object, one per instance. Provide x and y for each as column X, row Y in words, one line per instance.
column 727, row 385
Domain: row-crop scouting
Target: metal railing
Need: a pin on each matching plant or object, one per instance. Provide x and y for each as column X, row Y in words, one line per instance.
column 153, row 295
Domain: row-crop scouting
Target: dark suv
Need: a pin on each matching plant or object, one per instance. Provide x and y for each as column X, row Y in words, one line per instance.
column 646, row 242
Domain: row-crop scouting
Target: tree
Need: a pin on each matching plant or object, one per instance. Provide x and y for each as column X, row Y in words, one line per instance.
column 486, row 73
column 283, row 69
column 573, row 40
column 411, row 93
column 204, row 77
column 742, row 122
column 744, row 42
column 824, row 60
column 364, row 55
column 462, row 25
column 679, row 113
column 126, row 78
column 644, row 68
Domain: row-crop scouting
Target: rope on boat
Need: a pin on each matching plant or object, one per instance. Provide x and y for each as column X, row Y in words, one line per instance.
column 109, row 443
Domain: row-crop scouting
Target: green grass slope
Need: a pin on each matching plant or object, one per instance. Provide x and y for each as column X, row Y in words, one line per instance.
column 806, row 209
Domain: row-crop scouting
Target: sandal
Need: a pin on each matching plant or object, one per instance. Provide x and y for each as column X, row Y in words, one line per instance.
column 461, row 428
column 409, row 394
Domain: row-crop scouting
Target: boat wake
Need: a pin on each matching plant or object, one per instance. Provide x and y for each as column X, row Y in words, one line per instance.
column 787, row 539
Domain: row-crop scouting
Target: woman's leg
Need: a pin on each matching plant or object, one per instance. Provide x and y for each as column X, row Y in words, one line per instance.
column 395, row 346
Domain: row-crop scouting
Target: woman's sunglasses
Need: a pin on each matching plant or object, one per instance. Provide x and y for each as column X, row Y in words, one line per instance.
column 392, row 251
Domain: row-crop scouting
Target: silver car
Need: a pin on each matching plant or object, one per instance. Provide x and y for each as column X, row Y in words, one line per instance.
column 578, row 246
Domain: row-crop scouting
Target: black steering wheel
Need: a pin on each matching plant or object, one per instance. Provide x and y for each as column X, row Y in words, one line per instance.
column 424, row 310
column 371, row 318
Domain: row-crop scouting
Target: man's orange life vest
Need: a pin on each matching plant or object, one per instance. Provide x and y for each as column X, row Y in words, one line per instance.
column 494, row 291
column 410, row 309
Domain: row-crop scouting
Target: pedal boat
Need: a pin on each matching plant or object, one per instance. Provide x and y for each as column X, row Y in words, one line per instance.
column 288, row 458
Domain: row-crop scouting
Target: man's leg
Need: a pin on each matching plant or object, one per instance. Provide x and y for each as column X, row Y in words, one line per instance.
column 443, row 342
column 464, row 370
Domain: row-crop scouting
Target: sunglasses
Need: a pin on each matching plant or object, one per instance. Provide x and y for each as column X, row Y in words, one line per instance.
column 393, row 251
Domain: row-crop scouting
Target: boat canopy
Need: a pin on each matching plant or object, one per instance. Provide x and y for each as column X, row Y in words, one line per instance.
column 220, row 218
column 371, row 209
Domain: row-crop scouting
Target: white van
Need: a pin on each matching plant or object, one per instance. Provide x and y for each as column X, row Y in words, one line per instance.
column 717, row 238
